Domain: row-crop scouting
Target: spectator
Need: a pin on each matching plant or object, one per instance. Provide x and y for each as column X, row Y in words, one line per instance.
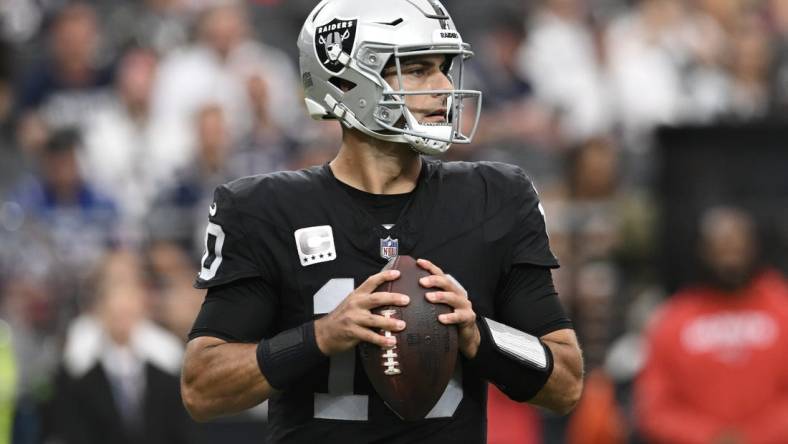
column 716, row 370
column 560, row 58
column 177, row 209
column 514, row 126
column 216, row 70
column 66, row 86
column 79, row 221
column 751, row 62
column 268, row 147
column 496, row 68
column 701, row 54
column 121, row 369
column 645, row 50
column 585, row 222
column 119, row 141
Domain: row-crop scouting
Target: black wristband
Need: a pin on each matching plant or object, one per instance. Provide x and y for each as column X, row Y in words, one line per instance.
column 285, row 358
column 519, row 379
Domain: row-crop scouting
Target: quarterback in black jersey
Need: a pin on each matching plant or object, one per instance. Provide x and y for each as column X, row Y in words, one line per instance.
column 293, row 259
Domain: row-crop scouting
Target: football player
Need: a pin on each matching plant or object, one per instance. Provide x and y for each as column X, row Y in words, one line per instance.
column 293, row 259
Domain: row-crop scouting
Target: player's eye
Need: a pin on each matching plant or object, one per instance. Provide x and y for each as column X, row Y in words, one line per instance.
column 417, row 71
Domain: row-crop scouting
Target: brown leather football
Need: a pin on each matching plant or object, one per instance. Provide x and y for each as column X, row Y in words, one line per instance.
column 411, row 377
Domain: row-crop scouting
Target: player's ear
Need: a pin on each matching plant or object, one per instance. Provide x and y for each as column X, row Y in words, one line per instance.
column 343, row 84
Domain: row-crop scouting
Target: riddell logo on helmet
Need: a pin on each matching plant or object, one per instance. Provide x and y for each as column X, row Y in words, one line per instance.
column 332, row 41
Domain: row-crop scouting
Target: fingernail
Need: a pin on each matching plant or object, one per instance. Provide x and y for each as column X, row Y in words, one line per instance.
column 404, row 299
column 401, row 325
column 391, row 341
column 424, row 280
column 394, row 273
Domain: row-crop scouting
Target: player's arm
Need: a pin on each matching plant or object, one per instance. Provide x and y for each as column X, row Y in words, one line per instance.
column 221, row 378
column 529, row 304
column 565, row 384
column 221, row 374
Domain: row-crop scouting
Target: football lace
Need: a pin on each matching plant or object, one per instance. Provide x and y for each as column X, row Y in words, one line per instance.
column 390, row 356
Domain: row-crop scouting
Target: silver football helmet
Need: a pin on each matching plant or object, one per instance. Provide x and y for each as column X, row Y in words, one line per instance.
column 346, row 44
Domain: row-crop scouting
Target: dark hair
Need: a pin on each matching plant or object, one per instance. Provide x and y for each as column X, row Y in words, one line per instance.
column 63, row 140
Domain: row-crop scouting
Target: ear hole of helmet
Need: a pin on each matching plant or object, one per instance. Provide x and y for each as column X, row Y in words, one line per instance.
column 344, row 85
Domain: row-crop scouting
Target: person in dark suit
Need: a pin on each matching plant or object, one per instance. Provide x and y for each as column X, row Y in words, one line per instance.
column 119, row 381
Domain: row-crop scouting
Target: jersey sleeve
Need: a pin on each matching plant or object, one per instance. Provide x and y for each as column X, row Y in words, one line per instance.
column 233, row 250
column 531, row 244
column 530, row 303
column 241, row 311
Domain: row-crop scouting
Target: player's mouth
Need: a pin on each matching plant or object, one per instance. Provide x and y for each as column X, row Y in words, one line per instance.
column 437, row 117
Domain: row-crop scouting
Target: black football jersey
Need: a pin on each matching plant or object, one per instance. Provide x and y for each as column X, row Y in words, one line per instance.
column 305, row 236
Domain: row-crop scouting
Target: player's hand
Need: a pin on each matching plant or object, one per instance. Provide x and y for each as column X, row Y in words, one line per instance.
column 450, row 292
column 353, row 321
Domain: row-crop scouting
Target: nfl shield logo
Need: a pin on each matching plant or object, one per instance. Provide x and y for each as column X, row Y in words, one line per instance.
column 389, row 248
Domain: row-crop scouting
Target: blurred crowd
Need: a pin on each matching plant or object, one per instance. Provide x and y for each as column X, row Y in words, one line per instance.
column 119, row 117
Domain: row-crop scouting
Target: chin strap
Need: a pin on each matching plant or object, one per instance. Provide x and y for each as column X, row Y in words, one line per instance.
column 428, row 145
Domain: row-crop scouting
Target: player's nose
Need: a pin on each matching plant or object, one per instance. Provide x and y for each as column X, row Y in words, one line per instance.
column 441, row 81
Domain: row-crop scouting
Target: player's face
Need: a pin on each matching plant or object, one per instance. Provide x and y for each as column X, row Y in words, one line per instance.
column 423, row 73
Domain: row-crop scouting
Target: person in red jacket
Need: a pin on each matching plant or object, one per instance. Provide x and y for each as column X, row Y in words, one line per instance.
column 717, row 367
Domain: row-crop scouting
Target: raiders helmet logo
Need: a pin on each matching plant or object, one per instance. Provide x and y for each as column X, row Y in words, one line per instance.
column 334, row 43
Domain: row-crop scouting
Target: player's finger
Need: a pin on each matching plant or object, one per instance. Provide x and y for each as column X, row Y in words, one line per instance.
column 380, row 298
column 372, row 337
column 449, row 298
column 458, row 317
column 457, row 284
column 377, row 279
column 379, row 322
column 442, row 282
column 429, row 266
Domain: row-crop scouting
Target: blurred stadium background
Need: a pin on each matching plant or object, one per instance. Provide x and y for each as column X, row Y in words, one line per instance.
column 119, row 117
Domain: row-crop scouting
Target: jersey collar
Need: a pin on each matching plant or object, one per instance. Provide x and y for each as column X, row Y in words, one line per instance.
column 365, row 232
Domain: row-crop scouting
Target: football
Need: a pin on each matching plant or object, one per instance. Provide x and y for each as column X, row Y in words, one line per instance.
column 411, row 376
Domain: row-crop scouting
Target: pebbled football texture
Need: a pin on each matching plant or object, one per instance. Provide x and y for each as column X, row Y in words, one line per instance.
column 411, row 377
